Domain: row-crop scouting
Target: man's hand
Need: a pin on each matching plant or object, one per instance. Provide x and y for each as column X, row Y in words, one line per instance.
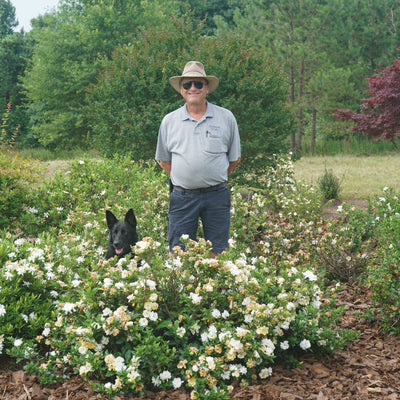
column 166, row 166
column 232, row 165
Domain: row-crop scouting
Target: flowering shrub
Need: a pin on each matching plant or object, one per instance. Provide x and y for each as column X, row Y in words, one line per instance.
column 151, row 322
column 15, row 173
column 346, row 246
column 383, row 276
column 286, row 195
column 190, row 321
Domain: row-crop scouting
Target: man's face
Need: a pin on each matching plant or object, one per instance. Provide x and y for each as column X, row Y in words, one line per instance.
column 193, row 95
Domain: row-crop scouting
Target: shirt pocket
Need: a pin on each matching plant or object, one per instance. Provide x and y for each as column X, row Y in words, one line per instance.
column 215, row 145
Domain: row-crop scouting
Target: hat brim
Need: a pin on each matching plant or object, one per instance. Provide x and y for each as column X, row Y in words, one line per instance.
column 213, row 81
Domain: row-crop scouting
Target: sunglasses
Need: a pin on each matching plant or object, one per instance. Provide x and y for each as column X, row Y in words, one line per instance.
column 197, row 84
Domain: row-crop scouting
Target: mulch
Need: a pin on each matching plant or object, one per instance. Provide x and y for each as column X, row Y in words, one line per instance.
column 367, row 368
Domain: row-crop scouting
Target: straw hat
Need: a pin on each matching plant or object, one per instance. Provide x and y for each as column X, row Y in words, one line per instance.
column 194, row 69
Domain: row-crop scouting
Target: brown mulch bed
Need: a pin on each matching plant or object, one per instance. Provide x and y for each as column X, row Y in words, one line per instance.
column 367, row 368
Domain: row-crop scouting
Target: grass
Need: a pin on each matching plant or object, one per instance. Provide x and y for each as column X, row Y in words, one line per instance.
column 52, row 155
column 361, row 177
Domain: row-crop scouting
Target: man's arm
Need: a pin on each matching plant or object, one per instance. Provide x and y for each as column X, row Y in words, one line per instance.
column 166, row 166
column 232, row 165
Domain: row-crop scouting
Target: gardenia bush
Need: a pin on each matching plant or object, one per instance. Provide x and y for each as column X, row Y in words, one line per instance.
column 150, row 322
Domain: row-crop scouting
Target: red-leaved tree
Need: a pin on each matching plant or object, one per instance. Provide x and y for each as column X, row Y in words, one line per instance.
column 379, row 115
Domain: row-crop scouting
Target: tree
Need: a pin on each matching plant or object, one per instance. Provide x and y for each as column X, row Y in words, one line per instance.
column 379, row 115
column 127, row 104
column 12, row 64
column 8, row 19
column 72, row 44
column 15, row 49
column 208, row 10
column 316, row 41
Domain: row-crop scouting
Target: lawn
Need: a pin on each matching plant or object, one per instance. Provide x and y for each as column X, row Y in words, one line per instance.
column 361, row 177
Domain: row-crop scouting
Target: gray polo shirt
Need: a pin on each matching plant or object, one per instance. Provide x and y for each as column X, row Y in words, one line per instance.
column 199, row 151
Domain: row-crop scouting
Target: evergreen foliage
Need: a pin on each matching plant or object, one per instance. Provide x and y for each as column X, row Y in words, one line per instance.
column 323, row 48
column 71, row 46
column 127, row 104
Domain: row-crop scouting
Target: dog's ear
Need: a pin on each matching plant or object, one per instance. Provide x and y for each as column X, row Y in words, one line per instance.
column 130, row 217
column 111, row 219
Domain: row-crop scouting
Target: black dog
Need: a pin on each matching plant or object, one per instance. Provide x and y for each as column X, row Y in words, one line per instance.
column 122, row 234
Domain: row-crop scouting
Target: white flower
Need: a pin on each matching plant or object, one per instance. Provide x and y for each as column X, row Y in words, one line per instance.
column 284, row 345
column 119, row 364
column 156, row 381
column 68, row 307
column 265, row 373
column 2, row 310
column 212, row 332
column 143, row 322
column 204, row 337
column 290, row 306
column 46, row 332
column 107, row 282
column 216, row 313
column 177, row 383
column 165, row 375
column 226, row 375
column 18, row 342
column 151, row 284
column 236, row 344
column 310, row 275
column 85, row 369
column 106, row 312
column 153, row 316
column 196, row 299
column 181, row 331
column 267, row 347
column 211, row 363
column 305, row 344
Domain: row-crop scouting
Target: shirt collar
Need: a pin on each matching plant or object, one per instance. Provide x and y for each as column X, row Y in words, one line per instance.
column 185, row 114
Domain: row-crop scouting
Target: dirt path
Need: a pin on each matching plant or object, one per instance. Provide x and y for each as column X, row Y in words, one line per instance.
column 51, row 167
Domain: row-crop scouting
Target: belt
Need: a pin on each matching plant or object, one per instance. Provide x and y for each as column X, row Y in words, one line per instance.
column 203, row 190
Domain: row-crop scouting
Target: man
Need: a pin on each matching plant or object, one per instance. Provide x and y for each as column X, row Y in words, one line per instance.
column 198, row 147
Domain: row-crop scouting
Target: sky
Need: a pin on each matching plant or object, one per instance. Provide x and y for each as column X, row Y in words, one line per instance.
column 27, row 9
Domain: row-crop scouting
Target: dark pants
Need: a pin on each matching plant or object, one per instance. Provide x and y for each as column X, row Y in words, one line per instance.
column 212, row 207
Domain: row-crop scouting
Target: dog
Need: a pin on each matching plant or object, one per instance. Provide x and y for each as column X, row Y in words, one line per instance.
column 122, row 234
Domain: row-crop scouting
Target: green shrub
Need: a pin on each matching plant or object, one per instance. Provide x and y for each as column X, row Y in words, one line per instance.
column 383, row 276
column 191, row 321
column 330, row 185
column 127, row 104
column 346, row 247
column 151, row 322
column 90, row 187
column 16, row 173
